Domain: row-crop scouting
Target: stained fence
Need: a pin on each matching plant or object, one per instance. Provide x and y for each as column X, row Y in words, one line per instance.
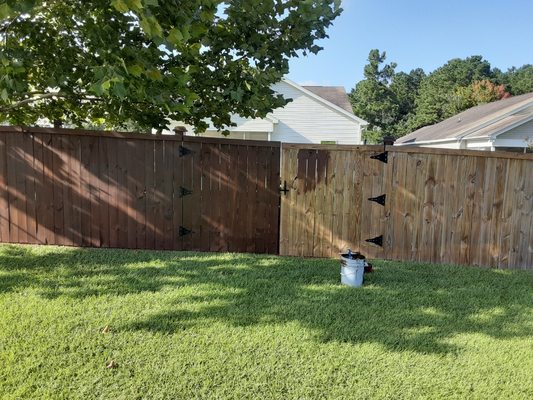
column 441, row 206
column 103, row 189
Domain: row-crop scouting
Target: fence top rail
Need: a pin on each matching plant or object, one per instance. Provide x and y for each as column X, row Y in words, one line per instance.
column 408, row 149
column 234, row 142
column 340, row 147
column 135, row 135
column 455, row 152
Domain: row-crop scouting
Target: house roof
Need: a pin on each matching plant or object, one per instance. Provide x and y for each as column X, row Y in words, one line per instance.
column 343, row 111
column 334, row 94
column 482, row 121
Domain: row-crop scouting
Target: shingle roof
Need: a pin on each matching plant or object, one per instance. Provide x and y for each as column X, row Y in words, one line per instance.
column 334, row 94
column 474, row 122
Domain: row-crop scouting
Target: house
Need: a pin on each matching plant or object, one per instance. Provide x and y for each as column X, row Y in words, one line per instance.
column 505, row 125
column 316, row 114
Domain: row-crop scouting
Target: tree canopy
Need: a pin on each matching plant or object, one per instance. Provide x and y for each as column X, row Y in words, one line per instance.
column 396, row 103
column 115, row 62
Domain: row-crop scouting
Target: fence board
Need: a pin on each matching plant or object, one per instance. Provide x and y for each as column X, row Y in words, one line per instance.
column 104, row 195
column 4, row 200
column 167, row 187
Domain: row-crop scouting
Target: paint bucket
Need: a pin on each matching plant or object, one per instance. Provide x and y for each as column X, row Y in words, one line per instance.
column 352, row 270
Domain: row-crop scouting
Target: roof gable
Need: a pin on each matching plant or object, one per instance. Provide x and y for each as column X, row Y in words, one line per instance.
column 325, row 101
column 334, row 94
column 474, row 122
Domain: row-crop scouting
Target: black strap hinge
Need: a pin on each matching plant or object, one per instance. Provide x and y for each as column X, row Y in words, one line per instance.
column 383, row 157
column 183, row 151
column 184, row 231
column 184, row 191
column 379, row 199
column 378, row 240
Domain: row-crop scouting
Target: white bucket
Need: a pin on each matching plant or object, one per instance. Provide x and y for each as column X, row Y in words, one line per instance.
column 352, row 271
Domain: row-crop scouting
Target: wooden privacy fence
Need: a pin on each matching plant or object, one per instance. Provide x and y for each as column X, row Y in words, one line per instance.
column 105, row 189
column 441, row 206
column 88, row 188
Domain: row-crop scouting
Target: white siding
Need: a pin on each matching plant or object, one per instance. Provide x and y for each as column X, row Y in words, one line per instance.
column 250, row 125
column 519, row 133
column 307, row 120
column 304, row 120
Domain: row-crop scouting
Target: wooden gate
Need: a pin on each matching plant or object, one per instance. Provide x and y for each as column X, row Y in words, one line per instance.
column 322, row 211
column 105, row 189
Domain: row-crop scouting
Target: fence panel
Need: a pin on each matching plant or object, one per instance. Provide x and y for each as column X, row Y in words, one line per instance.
column 442, row 206
column 106, row 189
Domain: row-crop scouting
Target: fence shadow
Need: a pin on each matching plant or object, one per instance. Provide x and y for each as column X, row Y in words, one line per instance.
column 403, row 307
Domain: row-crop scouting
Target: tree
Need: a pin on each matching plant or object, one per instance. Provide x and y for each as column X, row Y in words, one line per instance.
column 479, row 92
column 372, row 99
column 437, row 98
column 385, row 98
column 519, row 80
column 405, row 88
column 115, row 62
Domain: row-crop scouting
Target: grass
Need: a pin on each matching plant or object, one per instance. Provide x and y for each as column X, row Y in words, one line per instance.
column 189, row 325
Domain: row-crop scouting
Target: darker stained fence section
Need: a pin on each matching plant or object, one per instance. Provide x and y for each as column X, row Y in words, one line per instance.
column 106, row 189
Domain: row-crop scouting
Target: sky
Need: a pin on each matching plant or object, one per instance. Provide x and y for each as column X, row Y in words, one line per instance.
column 417, row 33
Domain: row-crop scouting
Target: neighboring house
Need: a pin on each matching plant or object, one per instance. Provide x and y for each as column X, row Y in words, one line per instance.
column 501, row 125
column 316, row 114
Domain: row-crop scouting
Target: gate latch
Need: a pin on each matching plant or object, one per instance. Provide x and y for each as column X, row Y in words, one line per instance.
column 284, row 189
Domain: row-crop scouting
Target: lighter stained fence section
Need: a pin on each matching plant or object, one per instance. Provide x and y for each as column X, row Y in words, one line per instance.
column 442, row 206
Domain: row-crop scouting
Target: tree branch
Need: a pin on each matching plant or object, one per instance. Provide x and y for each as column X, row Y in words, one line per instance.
column 41, row 96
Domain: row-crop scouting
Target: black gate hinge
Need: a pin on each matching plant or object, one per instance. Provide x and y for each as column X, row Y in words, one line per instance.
column 379, row 199
column 184, row 231
column 184, row 191
column 183, row 151
column 383, row 157
column 378, row 240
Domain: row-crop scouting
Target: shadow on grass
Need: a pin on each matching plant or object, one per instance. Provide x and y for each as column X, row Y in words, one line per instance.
column 403, row 306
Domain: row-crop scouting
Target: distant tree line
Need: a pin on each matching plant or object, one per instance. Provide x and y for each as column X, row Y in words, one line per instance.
column 396, row 103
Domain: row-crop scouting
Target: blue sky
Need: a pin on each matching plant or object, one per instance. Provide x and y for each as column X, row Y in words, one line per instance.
column 417, row 33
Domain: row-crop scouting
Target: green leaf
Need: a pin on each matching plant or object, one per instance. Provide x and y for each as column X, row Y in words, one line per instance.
column 120, row 5
column 154, row 74
column 135, row 4
column 4, row 95
column 153, row 3
column 175, row 36
column 119, row 90
column 5, row 11
column 145, row 25
column 135, row 70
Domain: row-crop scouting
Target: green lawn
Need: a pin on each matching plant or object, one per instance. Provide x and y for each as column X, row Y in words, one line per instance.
column 187, row 325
